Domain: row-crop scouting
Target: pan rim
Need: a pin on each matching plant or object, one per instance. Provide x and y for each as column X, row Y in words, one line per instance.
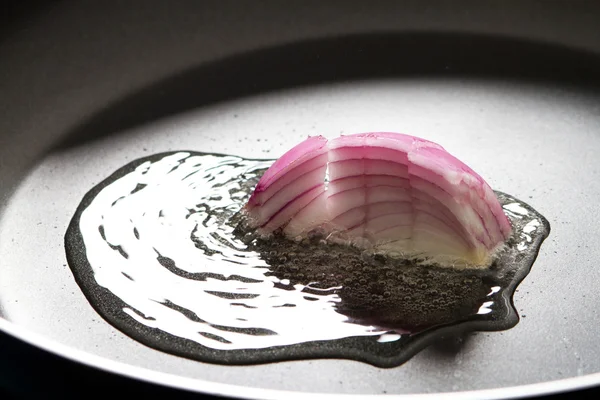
column 248, row 392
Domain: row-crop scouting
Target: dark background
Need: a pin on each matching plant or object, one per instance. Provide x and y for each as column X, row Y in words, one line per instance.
column 27, row 372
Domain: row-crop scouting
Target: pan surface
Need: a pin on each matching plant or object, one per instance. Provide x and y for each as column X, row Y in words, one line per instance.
column 523, row 113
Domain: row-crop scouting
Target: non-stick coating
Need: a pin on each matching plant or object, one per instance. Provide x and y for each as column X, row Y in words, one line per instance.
column 84, row 91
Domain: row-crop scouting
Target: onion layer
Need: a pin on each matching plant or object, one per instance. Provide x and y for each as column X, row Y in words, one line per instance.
column 383, row 191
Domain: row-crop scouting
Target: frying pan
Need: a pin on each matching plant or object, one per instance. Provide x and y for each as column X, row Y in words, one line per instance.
column 509, row 87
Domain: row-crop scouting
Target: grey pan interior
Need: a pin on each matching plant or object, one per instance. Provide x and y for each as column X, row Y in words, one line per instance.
column 511, row 90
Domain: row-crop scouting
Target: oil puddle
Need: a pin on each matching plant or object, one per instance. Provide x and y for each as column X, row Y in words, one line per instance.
column 158, row 251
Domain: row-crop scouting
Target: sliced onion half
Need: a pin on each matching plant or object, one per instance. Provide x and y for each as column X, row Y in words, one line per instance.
column 383, row 191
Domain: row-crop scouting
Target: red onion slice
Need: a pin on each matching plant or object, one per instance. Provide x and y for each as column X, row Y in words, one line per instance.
column 386, row 192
